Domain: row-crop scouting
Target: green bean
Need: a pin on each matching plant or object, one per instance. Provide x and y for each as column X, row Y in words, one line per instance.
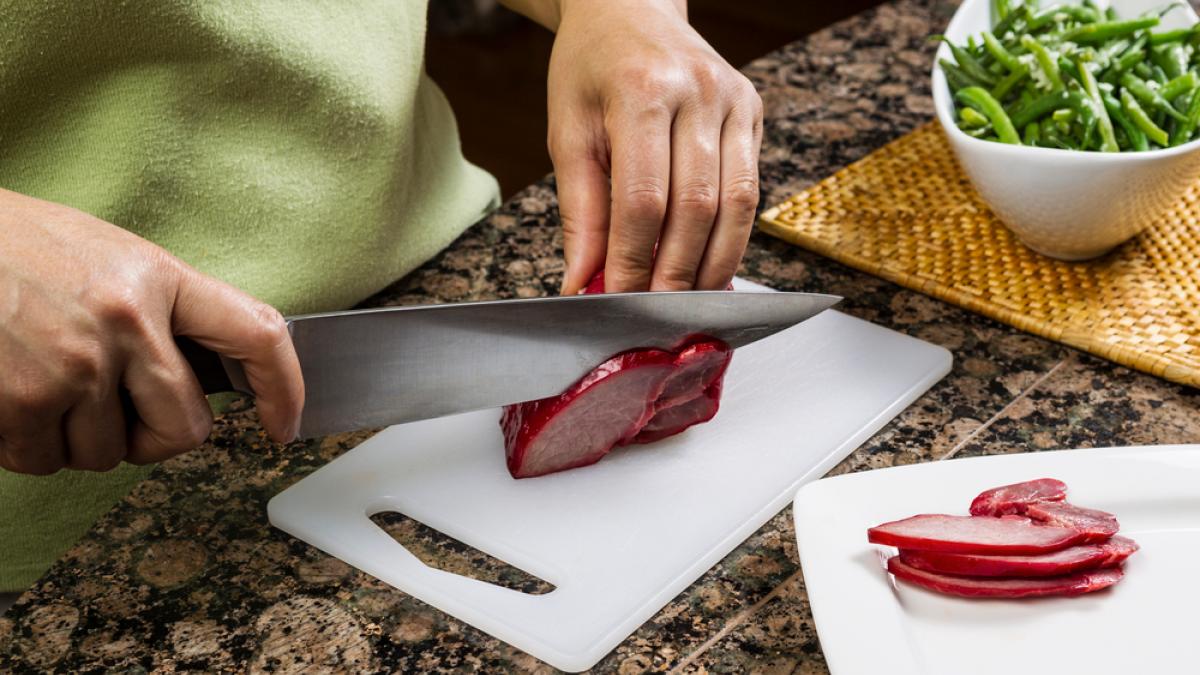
column 955, row 76
column 1032, row 134
column 1179, row 35
column 973, row 118
column 1039, row 107
column 1171, row 58
column 1046, row 62
column 1148, row 96
column 970, row 64
column 998, row 52
column 981, row 100
column 1139, row 117
column 1187, row 128
column 1108, row 142
column 1098, row 32
column 1179, row 86
column 1000, row 10
column 1135, row 136
column 1004, row 86
column 1077, row 76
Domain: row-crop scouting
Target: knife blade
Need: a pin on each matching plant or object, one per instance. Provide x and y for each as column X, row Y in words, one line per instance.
column 377, row 367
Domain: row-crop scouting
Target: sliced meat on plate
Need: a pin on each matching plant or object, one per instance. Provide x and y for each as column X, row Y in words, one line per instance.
column 1010, row 499
column 1096, row 525
column 972, row 534
column 1011, row 587
column 1066, row 561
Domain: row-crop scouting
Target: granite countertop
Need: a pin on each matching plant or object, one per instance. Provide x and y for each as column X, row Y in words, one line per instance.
column 186, row 573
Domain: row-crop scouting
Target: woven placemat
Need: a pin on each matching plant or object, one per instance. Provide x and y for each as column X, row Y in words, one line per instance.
column 908, row 214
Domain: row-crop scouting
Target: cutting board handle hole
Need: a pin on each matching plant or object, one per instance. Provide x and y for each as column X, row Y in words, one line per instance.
column 443, row 552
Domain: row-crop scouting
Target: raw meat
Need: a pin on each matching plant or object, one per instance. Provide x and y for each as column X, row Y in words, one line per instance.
column 692, row 394
column 1066, row 561
column 610, row 405
column 640, row 396
column 1118, row 549
column 1013, row 587
column 1096, row 525
column 973, row 534
column 1012, row 499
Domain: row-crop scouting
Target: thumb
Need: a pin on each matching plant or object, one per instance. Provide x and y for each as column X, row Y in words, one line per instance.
column 583, row 203
column 230, row 322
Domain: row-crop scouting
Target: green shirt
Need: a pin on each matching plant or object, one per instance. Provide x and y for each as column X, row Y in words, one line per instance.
column 294, row 149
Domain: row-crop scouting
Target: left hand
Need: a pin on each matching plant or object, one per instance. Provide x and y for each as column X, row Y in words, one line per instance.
column 655, row 140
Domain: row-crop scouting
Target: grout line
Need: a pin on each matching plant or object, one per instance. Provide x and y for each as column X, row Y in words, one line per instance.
column 737, row 620
column 1000, row 413
column 741, row 617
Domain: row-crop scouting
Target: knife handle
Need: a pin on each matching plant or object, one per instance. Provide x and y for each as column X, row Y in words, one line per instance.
column 216, row 373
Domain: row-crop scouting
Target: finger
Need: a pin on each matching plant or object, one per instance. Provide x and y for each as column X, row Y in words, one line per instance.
column 173, row 415
column 232, row 323
column 741, row 137
column 695, row 179
column 583, row 204
column 95, row 432
column 641, row 170
column 34, row 446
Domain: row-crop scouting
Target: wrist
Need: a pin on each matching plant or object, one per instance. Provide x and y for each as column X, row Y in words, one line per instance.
column 573, row 7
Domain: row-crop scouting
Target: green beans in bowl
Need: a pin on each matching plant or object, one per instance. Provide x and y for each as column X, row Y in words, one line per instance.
column 1077, row 123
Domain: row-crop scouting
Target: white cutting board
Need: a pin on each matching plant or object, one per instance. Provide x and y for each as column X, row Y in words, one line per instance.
column 621, row 538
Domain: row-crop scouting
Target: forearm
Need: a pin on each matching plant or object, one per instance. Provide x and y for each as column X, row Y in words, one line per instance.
column 549, row 13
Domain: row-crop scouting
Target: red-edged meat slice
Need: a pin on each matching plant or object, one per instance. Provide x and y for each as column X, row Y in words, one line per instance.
column 692, row 394
column 1118, row 549
column 1018, row 587
column 1096, row 525
column 610, row 405
column 973, row 534
column 637, row 397
column 1066, row 561
column 1009, row 499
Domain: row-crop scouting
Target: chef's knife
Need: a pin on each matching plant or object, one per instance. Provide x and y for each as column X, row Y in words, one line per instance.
column 378, row 367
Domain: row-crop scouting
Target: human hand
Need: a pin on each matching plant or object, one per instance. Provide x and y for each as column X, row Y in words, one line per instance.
column 88, row 315
column 655, row 141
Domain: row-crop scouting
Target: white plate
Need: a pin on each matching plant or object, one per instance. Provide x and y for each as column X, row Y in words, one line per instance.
column 1148, row 623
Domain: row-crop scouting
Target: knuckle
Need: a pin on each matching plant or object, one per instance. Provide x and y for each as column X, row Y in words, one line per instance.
column 626, row 270
column 646, row 200
column 119, row 304
column 269, row 327
column 741, row 194
column 707, row 75
column 33, row 399
column 188, row 434
column 673, row 276
column 698, row 200
column 82, row 362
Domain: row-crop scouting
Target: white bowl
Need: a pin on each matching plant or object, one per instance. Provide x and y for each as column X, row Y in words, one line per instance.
column 1067, row 204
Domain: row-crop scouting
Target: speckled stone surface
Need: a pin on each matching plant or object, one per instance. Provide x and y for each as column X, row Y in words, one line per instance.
column 186, row 574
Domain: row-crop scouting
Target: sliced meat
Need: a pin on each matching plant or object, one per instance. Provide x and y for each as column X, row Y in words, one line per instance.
column 1018, row 587
column 1118, row 549
column 1096, row 525
column 1066, row 561
column 973, row 534
column 638, row 397
column 1010, row 499
column 610, row 405
column 692, row 394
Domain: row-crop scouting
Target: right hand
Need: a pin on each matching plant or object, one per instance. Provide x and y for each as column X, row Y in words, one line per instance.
column 88, row 310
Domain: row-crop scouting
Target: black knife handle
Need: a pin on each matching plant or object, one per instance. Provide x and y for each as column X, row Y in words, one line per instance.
column 212, row 371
